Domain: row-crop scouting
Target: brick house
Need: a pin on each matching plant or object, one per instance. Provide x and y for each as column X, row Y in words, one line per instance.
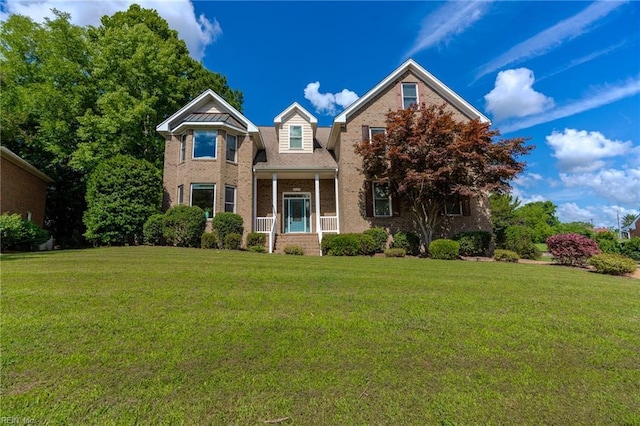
column 23, row 188
column 295, row 180
column 634, row 228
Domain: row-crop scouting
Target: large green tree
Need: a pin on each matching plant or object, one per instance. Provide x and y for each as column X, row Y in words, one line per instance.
column 73, row 96
column 427, row 156
column 539, row 216
column 503, row 214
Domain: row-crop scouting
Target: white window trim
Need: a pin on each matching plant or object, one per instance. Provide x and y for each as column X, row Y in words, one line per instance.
column 371, row 129
column 235, row 197
column 180, row 195
column 417, row 94
column 373, row 199
column 453, row 214
column 235, row 152
column 301, row 136
column 215, row 188
column 183, row 148
column 193, row 146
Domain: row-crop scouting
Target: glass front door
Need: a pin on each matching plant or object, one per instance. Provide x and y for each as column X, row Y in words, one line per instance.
column 297, row 213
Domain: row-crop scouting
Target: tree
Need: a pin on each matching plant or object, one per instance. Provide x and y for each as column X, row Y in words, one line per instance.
column 540, row 216
column 503, row 214
column 122, row 193
column 627, row 220
column 427, row 156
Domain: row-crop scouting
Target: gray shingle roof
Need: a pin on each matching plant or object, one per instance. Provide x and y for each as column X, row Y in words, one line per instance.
column 270, row 158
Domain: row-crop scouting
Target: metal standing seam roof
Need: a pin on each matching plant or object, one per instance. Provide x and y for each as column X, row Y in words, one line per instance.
column 211, row 118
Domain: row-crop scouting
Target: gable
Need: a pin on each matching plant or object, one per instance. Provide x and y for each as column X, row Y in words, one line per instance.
column 295, row 130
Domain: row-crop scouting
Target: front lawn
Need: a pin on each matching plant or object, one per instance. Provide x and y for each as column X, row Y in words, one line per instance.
column 165, row 335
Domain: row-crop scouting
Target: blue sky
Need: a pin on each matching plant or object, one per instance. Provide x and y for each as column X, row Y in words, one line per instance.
column 565, row 74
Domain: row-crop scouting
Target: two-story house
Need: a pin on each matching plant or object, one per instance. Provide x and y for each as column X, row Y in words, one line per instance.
column 295, row 180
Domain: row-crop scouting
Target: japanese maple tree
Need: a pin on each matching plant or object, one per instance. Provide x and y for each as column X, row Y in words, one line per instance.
column 427, row 156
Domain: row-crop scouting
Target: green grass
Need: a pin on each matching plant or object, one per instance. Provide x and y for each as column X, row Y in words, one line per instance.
column 168, row 336
column 542, row 247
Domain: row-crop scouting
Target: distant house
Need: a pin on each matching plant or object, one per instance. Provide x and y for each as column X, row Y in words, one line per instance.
column 297, row 181
column 634, row 228
column 23, row 188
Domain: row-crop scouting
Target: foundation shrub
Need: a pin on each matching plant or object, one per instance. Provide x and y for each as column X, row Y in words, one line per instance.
column 380, row 237
column 327, row 243
column 256, row 239
column 227, row 223
column 209, row 240
column 572, row 249
column 343, row 245
column 505, row 256
column 408, row 241
column 18, row 234
column 612, row 264
column 395, row 252
column 258, row 249
column 473, row 243
column 152, row 230
column 294, row 250
column 184, row 226
column 444, row 249
column 233, row 241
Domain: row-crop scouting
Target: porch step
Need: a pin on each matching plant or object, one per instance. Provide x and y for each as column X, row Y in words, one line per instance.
column 309, row 242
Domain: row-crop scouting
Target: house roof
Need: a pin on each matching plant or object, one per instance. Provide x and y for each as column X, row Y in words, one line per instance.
column 296, row 107
column 9, row 155
column 271, row 159
column 231, row 116
column 410, row 65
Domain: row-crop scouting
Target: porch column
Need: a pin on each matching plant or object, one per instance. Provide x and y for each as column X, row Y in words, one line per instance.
column 254, row 202
column 274, row 195
column 335, row 181
column 317, row 187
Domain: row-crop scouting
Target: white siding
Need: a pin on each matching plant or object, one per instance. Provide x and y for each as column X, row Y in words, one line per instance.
column 307, row 134
column 210, row 108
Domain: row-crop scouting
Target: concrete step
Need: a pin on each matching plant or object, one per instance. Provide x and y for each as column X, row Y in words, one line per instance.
column 309, row 242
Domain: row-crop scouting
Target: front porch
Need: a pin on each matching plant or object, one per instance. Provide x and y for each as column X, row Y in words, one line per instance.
column 295, row 202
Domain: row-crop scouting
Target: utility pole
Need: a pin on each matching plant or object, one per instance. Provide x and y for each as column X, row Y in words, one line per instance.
column 619, row 229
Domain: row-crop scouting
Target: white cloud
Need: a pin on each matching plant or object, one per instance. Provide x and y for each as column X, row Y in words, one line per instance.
column 453, row 18
column 527, row 179
column 598, row 97
column 198, row 32
column 582, row 151
column 553, row 37
column 620, row 186
column 524, row 197
column 570, row 212
column 514, row 96
column 325, row 103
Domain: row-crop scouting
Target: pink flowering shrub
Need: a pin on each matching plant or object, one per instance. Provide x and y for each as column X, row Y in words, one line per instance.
column 572, row 249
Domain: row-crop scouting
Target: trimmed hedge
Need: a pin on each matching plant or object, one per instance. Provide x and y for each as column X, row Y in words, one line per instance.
column 395, row 252
column 572, row 249
column 612, row 264
column 258, row 249
column 348, row 245
column 379, row 236
column 152, row 230
column 184, row 226
column 506, row 256
column 233, row 241
column 444, row 249
column 408, row 241
column 209, row 240
column 256, row 239
column 327, row 242
column 473, row 243
column 227, row 223
column 520, row 240
column 294, row 250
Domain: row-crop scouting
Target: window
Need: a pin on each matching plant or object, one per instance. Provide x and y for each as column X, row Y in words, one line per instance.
column 203, row 196
column 204, row 143
column 453, row 207
column 381, row 200
column 409, row 94
column 180, row 194
column 232, row 148
column 295, row 137
column 375, row 131
column 183, row 147
column 229, row 199
column 29, row 215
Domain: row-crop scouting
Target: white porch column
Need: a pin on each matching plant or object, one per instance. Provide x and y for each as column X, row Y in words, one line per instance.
column 335, row 181
column 317, row 187
column 274, row 194
column 254, row 202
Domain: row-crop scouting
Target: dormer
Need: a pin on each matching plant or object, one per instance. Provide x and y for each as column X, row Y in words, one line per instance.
column 295, row 129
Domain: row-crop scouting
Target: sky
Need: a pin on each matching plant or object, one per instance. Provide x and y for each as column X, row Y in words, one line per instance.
column 564, row 74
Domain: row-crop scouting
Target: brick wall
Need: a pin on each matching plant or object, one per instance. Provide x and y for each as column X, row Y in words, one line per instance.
column 22, row 192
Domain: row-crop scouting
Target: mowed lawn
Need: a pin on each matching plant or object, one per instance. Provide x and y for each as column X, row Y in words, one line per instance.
column 153, row 335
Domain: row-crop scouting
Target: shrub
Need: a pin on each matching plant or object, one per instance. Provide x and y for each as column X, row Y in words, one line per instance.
column 184, row 225
column 227, row 223
column 342, row 245
column 209, row 240
column 473, row 243
column 233, row 241
column 612, row 264
column 408, row 241
column 18, row 234
column 258, row 249
column 608, row 242
column 379, row 236
column 367, row 245
column 520, row 240
column 572, row 249
column 506, row 256
column 395, row 252
column 631, row 248
column 294, row 250
column 152, row 230
column 256, row 239
column 444, row 249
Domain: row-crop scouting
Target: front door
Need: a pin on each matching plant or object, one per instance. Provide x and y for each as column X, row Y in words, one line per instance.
column 297, row 213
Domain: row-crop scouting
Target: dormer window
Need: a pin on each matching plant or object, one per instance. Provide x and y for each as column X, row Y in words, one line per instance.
column 409, row 94
column 204, row 144
column 295, row 137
